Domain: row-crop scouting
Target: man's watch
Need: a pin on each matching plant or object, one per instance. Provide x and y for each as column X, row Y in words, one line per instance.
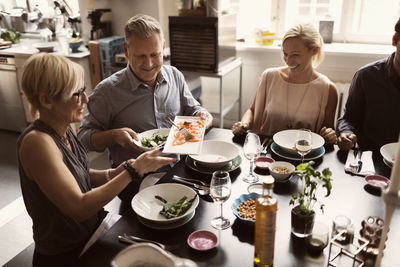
column 131, row 170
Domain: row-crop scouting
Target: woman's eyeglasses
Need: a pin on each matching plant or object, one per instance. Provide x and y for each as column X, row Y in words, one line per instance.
column 79, row 94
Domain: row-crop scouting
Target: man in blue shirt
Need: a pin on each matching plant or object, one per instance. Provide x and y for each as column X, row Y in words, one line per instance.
column 137, row 98
column 372, row 111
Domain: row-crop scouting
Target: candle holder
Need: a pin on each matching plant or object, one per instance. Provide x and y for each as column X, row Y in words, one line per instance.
column 349, row 249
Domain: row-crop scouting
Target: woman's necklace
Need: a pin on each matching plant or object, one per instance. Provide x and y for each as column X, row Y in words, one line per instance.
column 292, row 118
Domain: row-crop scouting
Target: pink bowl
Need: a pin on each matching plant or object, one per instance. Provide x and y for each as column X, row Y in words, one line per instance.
column 202, row 240
column 263, row 162
column 377, row 181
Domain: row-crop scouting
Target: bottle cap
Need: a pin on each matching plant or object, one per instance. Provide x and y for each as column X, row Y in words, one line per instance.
column 268, row 182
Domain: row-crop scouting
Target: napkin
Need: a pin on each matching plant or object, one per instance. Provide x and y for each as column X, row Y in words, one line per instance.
column 367, row 167
column 151, row 179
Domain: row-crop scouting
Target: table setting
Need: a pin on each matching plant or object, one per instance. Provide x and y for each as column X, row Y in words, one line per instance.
column 229, row 236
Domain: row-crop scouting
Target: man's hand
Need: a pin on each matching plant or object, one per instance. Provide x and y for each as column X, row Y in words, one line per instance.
column 150, row 161
column 206, row 116
column 347, row 141
column 328, row 134
column 240, row 128
column 125, row 137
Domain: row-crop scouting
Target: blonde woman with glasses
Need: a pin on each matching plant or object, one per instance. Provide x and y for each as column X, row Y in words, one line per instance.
column 63, row 196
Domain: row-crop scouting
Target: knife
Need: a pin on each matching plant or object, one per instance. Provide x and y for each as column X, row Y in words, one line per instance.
column 197, row 186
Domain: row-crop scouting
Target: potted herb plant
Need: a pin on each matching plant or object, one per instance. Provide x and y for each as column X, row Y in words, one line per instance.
column 304, row 200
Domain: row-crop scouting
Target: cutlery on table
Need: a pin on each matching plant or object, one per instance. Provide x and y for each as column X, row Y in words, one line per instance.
column 265, row 144
column 200, row 189
column 356, row 164
column 192, row 180
column 134, row 239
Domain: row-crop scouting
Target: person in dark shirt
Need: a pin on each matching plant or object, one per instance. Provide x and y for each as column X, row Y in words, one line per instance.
column 372, row 111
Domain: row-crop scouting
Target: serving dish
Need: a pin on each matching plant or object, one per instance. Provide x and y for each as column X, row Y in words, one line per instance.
column 146, row 254
column 149, row 134
column 314, row 154
column 75, row 46
column 202, row 240
column 187, row 147
column 388, row 152
column 148, row 207
column 236, row 203
column 231, row 166
column 215, row 154
column 286, row 140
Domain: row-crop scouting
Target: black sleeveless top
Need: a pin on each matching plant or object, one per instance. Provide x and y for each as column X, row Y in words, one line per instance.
column 53, row 231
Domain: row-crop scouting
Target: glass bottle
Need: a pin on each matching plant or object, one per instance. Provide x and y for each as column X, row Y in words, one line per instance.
column 266, row 207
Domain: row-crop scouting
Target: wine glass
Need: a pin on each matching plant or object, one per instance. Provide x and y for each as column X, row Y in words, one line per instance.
column 220, row 191
column 251, row 149
column 303, row 142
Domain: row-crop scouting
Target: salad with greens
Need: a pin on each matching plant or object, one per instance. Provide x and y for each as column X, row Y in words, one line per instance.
column 155, row 140
column 175, row 209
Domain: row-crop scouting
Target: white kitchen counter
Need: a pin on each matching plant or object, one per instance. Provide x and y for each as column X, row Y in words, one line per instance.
column 25, row 48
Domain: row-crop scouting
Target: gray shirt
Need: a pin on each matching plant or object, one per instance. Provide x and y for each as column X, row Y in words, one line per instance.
column 122, row 100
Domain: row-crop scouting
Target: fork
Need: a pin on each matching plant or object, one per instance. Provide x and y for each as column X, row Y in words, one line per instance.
column 168, row 119
column 192, row 180
column 267, row 141
column 134, row 239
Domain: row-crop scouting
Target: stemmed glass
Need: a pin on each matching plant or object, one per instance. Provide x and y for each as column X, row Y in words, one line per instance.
column 303, row 142
column 251, row 149
column 220, row 191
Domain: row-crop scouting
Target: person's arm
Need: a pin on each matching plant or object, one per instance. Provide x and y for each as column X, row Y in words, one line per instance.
column 43, row 163
column 349, row 123
column 327, row 131
column 95, row 133
column 242, row 126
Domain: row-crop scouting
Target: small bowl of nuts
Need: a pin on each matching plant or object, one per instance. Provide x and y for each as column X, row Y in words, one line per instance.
column 244, row 207
column 281, row 170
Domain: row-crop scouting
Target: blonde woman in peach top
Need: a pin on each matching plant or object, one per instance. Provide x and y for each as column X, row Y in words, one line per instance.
column 294, row 96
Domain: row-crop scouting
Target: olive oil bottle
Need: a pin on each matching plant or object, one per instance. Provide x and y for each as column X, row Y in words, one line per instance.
column 266, row 207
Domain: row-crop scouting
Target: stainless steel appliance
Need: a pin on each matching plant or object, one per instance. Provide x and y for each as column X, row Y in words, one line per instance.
column 12, row 115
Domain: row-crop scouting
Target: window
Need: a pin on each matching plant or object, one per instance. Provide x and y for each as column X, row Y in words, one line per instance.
column 366, row 21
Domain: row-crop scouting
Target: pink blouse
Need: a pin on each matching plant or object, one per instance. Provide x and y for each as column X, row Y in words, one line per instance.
column 279, row 105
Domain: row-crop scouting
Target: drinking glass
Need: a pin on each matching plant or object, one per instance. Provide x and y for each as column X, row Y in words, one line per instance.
column 303, row 142
column 220, row 191
column 318, row 239
column 251, row 149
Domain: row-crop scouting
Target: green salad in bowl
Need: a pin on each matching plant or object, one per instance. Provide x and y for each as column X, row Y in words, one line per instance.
column 152, row 139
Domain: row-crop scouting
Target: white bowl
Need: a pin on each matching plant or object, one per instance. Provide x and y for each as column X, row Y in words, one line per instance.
column 216, row 154
column 146, row 254
column 389, row 151
column 45, row 46
column 286, row 140
column 279, row 177
column 148, row 207
column 149, row 134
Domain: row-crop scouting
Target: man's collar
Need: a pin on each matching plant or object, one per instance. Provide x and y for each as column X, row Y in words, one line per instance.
column 136, row 82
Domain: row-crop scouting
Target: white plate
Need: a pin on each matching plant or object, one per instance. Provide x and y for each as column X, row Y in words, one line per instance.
column 148, row 207
column 389, row 151
column 188, row 147
column 148, row 134
column 167, row 226
column 314, row 154
column 216, row 153
column 286, row 139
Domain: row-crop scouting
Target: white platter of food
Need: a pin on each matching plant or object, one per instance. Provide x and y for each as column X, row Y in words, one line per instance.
column 152, row 139
column 188, row 140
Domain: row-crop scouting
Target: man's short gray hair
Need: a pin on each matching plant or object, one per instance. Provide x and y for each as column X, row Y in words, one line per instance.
column 142, row 26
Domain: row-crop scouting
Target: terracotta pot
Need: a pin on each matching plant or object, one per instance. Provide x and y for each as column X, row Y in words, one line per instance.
column 302, row 224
